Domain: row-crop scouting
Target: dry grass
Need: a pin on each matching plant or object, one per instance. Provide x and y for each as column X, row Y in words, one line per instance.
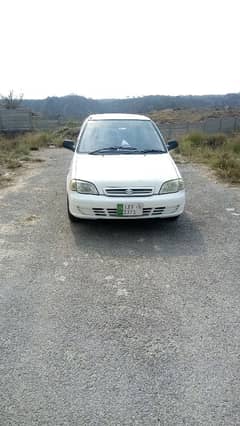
column 15, row 150
column 219, row 151
column 191, row 115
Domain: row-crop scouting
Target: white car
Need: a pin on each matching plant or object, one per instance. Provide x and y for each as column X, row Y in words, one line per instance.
column 121, row 169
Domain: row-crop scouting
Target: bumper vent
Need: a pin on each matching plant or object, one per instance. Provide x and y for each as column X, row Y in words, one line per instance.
column 100, row 212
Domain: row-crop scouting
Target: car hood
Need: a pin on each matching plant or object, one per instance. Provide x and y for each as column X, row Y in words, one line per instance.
column 121, row 170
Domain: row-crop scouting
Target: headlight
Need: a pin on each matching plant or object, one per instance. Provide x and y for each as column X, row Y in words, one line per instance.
column 83, row 187
column 172, row 186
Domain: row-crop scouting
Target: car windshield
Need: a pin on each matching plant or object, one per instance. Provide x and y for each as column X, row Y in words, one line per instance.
column 120, row 137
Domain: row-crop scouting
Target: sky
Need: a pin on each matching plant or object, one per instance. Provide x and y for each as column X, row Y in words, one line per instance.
column 119, row 48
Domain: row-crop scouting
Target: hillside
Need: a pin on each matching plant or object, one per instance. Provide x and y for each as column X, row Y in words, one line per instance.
column 73, row 106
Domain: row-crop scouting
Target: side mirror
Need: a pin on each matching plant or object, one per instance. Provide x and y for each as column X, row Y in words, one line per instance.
column 172, row 145
column 69, row 144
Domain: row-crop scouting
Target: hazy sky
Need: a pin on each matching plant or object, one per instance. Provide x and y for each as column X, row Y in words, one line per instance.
column 119, row 48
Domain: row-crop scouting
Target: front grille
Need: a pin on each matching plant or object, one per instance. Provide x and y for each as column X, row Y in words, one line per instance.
column 128, row 192
column 100, row 212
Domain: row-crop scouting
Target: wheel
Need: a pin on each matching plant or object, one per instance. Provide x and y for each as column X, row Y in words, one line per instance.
column 70, row 215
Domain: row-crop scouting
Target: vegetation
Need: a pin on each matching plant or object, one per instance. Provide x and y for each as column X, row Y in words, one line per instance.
column 11, row 101
column 220, row 152
column 74, row 106
column 191, row 115
column 15, row 150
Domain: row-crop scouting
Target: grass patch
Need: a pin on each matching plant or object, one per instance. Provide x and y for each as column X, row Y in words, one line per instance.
column 220, row 152
column 16, row 149
column 12, row 151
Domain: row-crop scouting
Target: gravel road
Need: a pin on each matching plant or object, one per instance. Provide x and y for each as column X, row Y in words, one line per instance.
column 118, row 323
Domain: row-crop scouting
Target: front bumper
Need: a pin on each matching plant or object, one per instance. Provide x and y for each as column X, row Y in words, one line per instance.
column 104, row 207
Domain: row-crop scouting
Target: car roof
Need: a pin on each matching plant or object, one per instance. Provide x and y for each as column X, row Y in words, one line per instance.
column 97, row 117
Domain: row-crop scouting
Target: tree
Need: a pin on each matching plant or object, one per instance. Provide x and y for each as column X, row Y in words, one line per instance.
column 11, row 101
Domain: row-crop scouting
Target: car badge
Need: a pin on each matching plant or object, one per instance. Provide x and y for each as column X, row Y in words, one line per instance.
column 129, row 191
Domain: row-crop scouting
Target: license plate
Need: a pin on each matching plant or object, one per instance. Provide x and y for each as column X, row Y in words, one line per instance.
column 133, row 209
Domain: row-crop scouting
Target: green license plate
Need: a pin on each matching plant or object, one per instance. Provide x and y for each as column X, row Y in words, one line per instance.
column 131, row 209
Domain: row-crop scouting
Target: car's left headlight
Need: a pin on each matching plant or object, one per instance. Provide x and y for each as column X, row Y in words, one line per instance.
column 171, row 186
column 83, row 187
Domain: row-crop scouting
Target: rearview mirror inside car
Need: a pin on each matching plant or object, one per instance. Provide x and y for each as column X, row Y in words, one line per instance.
column 69, row 144
column 172, row 145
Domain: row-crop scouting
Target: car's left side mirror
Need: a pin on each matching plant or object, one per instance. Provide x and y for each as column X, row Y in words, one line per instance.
column 172, row 145
column 69, row 144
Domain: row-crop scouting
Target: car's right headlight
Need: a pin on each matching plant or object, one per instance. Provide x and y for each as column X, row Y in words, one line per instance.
column 83, row 187
column 172, row 186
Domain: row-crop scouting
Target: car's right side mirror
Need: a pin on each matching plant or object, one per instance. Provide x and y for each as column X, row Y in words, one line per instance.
column 69, row 144
column 172, row 145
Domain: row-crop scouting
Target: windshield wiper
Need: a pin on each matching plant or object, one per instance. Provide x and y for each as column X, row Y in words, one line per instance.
column 153, row 151
column 113, row 148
